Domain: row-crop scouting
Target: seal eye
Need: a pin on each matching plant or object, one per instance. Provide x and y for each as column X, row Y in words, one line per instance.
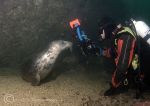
column 63, row 42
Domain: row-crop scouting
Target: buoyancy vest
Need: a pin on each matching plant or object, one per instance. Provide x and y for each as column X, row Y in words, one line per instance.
column 135, row 60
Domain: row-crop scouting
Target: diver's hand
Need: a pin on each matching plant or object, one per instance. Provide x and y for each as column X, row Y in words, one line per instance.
column 106, row 53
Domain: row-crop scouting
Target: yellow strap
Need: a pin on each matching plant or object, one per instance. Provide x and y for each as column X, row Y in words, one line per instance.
column 127, row 29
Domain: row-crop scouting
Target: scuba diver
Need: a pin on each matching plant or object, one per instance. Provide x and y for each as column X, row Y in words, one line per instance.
column 121, row 43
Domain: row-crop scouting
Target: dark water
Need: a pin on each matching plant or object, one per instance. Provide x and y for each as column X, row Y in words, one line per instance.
column 28, row 26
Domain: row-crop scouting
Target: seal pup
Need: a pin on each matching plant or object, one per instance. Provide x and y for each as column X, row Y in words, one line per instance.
column 42, row 65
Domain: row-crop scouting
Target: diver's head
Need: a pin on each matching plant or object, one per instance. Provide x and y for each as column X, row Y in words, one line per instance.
column 106, row 26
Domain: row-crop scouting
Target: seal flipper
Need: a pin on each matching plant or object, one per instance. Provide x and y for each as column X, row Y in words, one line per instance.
column 36, row 80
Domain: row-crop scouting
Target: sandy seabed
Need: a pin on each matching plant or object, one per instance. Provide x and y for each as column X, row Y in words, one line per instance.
column 71, row 88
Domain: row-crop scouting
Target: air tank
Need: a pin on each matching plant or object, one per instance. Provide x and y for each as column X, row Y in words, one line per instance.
column 142, row 30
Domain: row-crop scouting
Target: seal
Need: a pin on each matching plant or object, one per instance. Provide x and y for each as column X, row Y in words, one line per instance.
column 44, row 63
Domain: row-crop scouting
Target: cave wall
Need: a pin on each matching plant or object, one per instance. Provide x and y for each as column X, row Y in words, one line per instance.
column 28, row 26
